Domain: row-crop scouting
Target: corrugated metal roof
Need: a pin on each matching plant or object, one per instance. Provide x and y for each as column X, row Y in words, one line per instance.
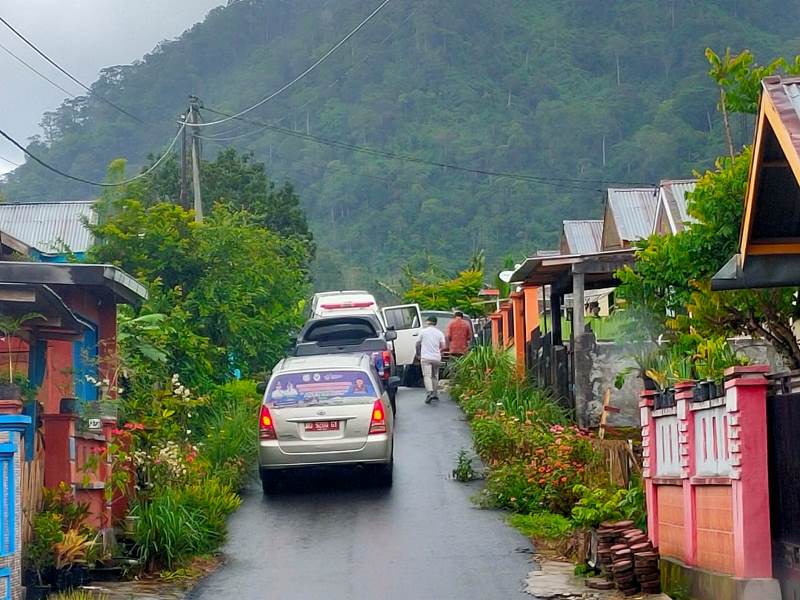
column 50, row 227
column 634, row 210
column 677, row 190
column 583, row 236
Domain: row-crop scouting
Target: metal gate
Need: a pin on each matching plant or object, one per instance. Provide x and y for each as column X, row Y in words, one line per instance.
column 783, row 426
column 550, row 366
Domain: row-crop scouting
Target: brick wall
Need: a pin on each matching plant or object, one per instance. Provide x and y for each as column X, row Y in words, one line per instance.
column 670, row 521
column 715, row 527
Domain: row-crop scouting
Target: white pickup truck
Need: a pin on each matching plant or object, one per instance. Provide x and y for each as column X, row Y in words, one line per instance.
column 404, row 319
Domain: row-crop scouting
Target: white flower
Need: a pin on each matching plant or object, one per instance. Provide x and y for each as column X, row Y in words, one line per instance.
column 188, row 432
column 91, row 379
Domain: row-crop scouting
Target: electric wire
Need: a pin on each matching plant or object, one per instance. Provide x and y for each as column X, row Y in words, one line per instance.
column 67, row 73
column 11, row 162
column 35, row 70
column 57, row 171
column 565, row 181
column 314, row 65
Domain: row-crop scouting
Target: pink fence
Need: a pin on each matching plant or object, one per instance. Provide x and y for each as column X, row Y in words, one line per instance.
column 706, row 477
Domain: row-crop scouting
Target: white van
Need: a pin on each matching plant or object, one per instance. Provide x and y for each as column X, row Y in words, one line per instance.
column 405, row 319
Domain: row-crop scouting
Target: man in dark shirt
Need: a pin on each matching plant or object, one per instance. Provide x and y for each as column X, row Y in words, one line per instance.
column 459, row 335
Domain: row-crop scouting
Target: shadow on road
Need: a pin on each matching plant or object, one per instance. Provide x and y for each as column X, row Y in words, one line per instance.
column 327, row 480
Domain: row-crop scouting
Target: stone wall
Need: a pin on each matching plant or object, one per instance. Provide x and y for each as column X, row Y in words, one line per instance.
column 604, row 360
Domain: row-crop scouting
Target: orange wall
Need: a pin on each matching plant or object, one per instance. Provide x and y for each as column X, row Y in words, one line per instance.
column 714, row 528
column 670, row 520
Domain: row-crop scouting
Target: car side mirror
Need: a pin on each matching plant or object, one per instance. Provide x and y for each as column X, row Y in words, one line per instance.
column 391, row 335
column 261, row 387
column 393, row 383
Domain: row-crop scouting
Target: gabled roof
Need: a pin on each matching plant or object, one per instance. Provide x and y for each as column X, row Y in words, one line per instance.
column 672, row 204
column 630, row 211
column 769, row 241
column 49, row 227
column 771, row 221
column 581, row 237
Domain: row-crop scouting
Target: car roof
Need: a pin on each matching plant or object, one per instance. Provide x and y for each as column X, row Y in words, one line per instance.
column 323, row 362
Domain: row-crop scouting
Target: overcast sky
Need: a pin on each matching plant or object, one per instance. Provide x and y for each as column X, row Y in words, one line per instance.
column 83, row 36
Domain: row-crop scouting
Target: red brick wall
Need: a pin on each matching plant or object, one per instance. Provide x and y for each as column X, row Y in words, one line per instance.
column 670, row 521
column 714, row 528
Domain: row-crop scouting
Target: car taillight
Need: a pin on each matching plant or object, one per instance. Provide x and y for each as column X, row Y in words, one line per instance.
column 338, row 305
column 378, row 422
column 387, row 361
column 266, row 426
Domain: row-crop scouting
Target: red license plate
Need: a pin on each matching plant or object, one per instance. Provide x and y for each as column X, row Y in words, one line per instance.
column 323, row 426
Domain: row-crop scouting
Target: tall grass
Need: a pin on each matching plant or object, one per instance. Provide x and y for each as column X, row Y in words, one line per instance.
column 486, row 380
column 226, row 429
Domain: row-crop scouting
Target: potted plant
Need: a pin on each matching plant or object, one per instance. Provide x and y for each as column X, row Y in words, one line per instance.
column 40, row 556
column 10, row 327
column 645, row 359
column 70, row 559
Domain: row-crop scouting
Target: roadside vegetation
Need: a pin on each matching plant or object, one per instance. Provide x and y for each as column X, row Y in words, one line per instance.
column 549, row 473
column 224, row 296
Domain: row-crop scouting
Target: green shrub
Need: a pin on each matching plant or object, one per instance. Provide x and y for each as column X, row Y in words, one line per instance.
column 226, row 430
column 507, row 486
column 542, row 525
column 603, row 504
column 167, row 532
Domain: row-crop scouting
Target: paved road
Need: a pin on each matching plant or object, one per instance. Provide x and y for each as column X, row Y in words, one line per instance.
column 336, row 537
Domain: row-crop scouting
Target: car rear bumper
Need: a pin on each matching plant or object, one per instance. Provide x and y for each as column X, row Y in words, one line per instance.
column 377, row 449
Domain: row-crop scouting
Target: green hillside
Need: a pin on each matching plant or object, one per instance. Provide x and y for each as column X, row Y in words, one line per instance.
column 527, row 86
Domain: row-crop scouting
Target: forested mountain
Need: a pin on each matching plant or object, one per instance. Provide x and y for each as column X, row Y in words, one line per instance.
column 566, row 90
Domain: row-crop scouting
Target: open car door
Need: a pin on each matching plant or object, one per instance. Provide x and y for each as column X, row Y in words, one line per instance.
column 406, row 320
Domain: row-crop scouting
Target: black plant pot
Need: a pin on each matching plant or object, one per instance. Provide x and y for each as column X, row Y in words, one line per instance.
column 10, row 391
column 713, row 389
column 36, row 592
column 649, row 384
column 67, row 406
column 658, row 400
column 670, row 397
column 65, row 580
column 700, row 392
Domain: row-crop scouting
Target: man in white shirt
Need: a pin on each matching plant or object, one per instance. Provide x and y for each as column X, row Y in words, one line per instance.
column 431, row 343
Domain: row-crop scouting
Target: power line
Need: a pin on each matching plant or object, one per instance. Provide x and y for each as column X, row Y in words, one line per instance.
column 89, row 181
column 565, row 181
column 11, row 162
column 299, row 77
column 39, row 73
column 67, row 73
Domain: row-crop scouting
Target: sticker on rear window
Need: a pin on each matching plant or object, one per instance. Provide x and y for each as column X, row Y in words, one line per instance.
column 323, row 387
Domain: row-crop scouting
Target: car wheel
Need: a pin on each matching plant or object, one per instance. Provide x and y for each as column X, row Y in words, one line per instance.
column 269, row 481
column 385, row 474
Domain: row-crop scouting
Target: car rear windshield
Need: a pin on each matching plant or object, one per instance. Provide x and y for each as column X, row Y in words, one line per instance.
column 340, row 331
column 315, row 388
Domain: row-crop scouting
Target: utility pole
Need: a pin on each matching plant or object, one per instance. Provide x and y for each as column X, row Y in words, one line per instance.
column 194, row 115
column 184, row 195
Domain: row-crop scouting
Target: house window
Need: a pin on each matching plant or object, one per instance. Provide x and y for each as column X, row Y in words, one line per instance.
column 7, row 500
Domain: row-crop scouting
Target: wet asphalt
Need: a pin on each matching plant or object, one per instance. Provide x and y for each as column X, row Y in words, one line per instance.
column 334, row 536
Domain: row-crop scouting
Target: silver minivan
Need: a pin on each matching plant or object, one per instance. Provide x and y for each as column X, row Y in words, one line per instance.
column 328, row 410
